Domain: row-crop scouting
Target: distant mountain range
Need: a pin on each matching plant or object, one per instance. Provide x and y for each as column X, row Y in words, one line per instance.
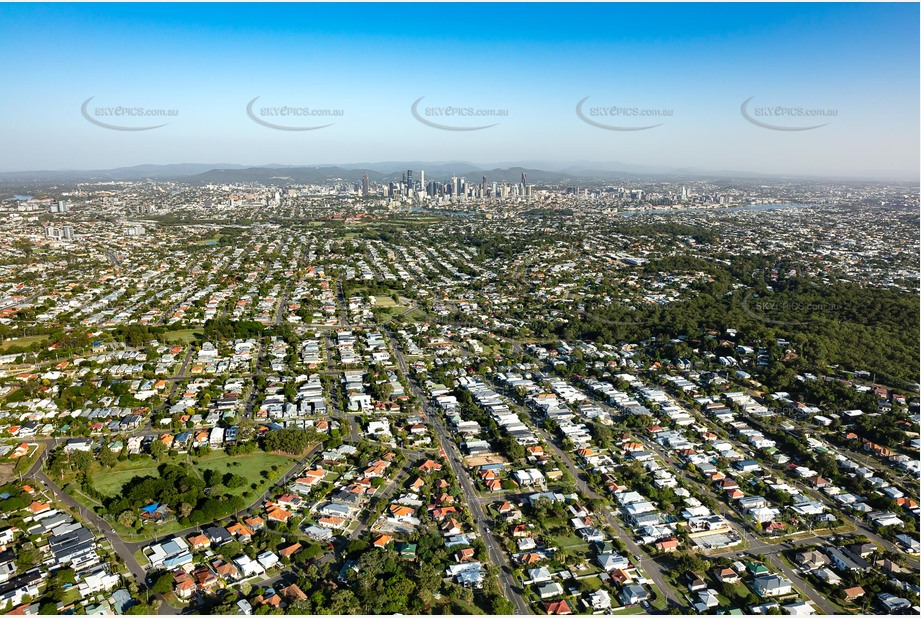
column 539, row 172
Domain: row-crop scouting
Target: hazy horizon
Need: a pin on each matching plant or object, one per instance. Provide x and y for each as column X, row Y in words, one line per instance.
column 809, row 91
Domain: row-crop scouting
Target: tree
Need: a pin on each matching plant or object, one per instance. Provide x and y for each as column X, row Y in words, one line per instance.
column 107, row 458
column 127, row 518
column 163, row 583
column 184, row 510
column 233, row 481
column 293, row 441
column 81, row 461
column 157, row 449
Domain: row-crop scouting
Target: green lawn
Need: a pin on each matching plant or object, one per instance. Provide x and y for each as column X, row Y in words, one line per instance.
column 591, row 584
column 186, row 335
column 635, row 609
column 567, row 542
column 384, row 301
column 22, row 342
column 111, row 480
column 250, row 466
column 72, row 595
column 661, row 602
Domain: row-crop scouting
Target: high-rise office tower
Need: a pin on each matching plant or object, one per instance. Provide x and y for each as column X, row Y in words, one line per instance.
column 365, row 185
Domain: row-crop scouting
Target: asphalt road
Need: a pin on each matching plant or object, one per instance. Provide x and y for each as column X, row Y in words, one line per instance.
column 103, row 528
column 494, row 550
column 652, row 568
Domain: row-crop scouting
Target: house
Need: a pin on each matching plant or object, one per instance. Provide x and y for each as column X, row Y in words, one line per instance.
column 771, row 586
column 328, row 522
column 892, row 604
column 694, row 582
column 464, row 555
column 290, row 501
column 590, row 533
column 599, row 600
column 406, row 550
column 852, row 594
column 272, row 600
column 383, row 540
column 468, row 574
column 185, row 588
column 319, row 533
column 268, row 559
column 863, row 550
column 225, row 569
column 756, row 568
column 242, row 532
column 155, row 512
column 429, row 466
column 609, row 562
column 401, row 512
column 909, row 543
column 290, row 550
column 278, row 514
column 218, row 535
column 633, row 594
column 840, row 561
column 247, row 566
column 451, row 527
column 811, row 560
column 799, row 608
column 550, row 590
column 199, row 541
column 725, row 575
column 205, row 578
column 293, row 593
column 539, row 575
column 706, row 600
column 558, row 608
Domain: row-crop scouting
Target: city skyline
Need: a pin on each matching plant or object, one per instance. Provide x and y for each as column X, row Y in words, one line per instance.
column 542, row 86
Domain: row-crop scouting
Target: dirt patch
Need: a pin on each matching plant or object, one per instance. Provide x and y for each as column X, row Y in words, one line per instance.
column 484, row 460
column 6, row 473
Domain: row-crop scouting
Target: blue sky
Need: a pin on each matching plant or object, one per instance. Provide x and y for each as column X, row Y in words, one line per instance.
column 537, row 61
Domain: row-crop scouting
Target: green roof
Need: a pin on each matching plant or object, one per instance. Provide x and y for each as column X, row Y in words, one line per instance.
column 406, row 548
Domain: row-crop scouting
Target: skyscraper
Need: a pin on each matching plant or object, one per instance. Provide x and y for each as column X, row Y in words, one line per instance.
column 409, row 180
column 365, row 185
